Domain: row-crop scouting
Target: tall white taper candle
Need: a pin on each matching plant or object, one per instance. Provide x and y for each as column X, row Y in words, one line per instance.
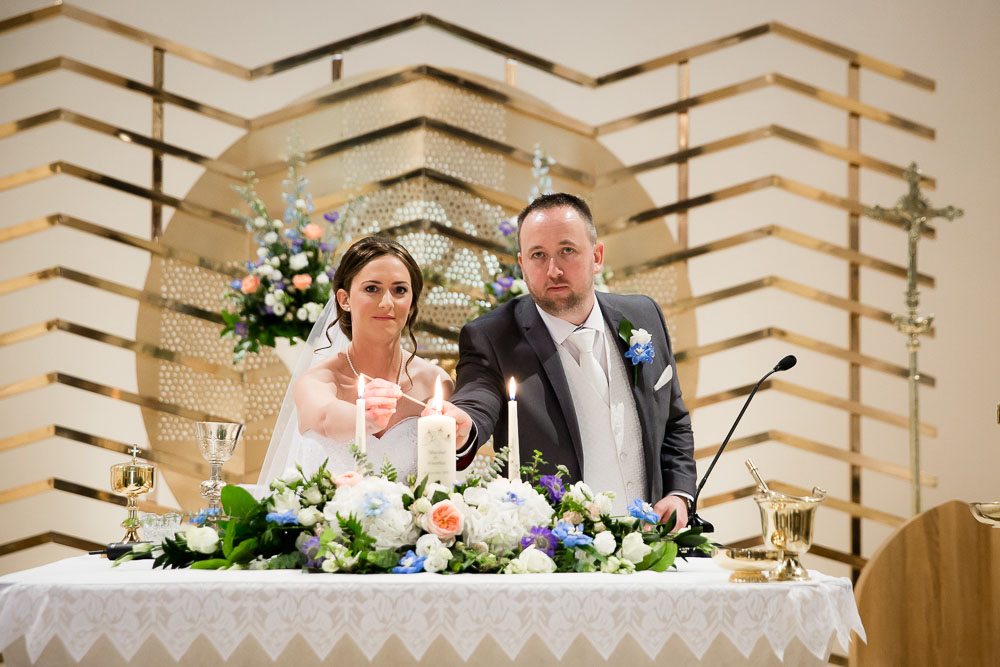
column 360, row 426
column 513, row 438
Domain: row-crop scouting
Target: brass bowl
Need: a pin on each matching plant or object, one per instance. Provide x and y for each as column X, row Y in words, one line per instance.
column 749, row 566
column 988, row 513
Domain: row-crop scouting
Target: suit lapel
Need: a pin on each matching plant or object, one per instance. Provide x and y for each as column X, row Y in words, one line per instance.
column 537, row 335
column 641, row 390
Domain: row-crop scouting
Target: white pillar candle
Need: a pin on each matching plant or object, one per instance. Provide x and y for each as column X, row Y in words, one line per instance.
column 360, row 425
column 436, row 444
column 513, row 439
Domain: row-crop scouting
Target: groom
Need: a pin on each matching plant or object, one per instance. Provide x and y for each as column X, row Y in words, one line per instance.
column 580, row 401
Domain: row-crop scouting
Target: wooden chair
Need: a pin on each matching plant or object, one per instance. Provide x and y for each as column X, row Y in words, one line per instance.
column 931, row 594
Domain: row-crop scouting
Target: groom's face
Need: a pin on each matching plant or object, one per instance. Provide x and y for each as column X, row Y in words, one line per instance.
column 559, row 262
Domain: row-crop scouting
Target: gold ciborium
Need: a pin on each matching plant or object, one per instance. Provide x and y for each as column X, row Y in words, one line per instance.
column 748, row 566
column 787, row 522
column 217, row 441
column 132, row 479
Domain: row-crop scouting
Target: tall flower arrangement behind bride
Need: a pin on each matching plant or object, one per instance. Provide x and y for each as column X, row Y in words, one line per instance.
column 288, row 285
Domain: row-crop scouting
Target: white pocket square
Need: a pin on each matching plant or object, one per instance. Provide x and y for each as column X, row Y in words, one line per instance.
column 665, row 377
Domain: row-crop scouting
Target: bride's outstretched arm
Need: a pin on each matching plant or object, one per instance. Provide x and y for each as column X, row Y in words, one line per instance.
column 320, row 409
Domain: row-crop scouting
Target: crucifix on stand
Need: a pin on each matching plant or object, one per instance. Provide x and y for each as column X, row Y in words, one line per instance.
column 913, row 212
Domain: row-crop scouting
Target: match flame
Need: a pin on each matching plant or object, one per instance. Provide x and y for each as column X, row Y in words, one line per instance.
column 361, row 387
column 512, row 388
column 438, row 401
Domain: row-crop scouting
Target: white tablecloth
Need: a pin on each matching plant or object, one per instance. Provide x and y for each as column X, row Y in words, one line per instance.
column 80, row 599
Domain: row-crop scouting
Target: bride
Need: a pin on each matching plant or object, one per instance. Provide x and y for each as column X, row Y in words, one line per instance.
column 373, row 302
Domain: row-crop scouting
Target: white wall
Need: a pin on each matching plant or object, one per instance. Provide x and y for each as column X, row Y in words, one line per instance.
column 953, row 44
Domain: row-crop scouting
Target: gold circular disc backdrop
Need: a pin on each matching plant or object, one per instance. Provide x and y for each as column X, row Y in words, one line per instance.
column 441, row 157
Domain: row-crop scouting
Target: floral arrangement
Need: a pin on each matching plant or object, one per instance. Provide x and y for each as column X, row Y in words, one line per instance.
column 508, row 283
column 288, row 285
column 363, row 522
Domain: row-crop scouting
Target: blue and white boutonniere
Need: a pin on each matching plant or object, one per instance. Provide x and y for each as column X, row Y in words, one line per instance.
column 640, row 346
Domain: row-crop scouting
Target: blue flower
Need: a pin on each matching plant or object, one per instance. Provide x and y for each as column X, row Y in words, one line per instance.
column 240, row 329
column 331, row 217
column 554, row 486
column 283, row 518
column 409, row 563
column 291, row 233
column 203, row 515
column 507, row 228
column 236, row 284
column 542, row 538
column 374, row 504
column 513, row 498
column 570, row 535
column 641, row 354
column 642, row 510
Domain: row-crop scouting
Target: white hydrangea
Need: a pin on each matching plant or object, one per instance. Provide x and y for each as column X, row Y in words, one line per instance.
column 262, row 252
column 298, row 261
column 505, row 513
column 265, row 269
column 271, row 237
column 277, row 224
column 378, row 505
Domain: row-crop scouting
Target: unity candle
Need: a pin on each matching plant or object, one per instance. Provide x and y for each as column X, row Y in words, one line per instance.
column 513, row 440
column 436, row 443
column 360, row 426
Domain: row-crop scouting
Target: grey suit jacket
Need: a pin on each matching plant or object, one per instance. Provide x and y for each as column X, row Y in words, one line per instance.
column 512, row 341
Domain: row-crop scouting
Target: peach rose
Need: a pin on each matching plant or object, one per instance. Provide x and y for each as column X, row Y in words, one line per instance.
column 349, row 478
column 302, row 281
column 444, row 519
column 312, row 231
column 249, row 284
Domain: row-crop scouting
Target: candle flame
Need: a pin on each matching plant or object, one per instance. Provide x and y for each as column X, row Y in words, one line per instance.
column 437, row 402
column 361, row 387
column 512, row 388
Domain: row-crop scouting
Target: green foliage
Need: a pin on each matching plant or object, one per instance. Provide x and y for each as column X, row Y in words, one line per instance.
column 388, row 470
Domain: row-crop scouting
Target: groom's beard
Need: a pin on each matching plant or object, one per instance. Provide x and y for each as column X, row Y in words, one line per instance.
column 562, row 304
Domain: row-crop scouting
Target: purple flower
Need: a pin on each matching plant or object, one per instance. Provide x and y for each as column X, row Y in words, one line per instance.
column 542, row 538
column 554, row 486
column 642, row 510
column 278, row 286
column 507, row 228
column 283, row 518
column 240, row 329
column 236, row 284
column 409, row 563
column 498, row 289
column 570, row 535
column 506, row 281
column 325, row 247
column 310, row 548
column 331, row 217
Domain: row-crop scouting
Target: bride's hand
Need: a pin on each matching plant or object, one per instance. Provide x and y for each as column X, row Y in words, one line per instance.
column 380, row 403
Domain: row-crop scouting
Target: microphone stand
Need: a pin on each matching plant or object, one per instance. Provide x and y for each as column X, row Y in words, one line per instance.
column 695, row 521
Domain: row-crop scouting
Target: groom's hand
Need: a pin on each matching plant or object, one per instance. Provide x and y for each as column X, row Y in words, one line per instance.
column 463, row 422
column 670, row 504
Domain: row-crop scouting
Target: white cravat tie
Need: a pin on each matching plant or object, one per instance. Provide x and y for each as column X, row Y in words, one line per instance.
column 583, row 341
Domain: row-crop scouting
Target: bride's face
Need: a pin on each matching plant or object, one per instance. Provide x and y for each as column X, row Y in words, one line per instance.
column 380, row 298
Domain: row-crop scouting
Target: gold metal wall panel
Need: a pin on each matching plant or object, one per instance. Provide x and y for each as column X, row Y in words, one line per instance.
column 50, row 537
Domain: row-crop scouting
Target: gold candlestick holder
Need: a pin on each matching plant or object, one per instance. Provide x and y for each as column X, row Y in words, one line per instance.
column 132, row 479
column 217, row 441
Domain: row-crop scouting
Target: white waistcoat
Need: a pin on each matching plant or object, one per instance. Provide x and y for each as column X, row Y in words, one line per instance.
column 611, row 434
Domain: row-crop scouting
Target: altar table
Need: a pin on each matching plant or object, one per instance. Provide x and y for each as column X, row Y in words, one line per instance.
column 83, row 610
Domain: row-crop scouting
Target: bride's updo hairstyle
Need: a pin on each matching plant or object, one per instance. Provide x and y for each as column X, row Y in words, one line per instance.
column 355, row 259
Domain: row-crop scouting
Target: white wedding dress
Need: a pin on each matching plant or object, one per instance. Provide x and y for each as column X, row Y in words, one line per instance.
column 288, row 447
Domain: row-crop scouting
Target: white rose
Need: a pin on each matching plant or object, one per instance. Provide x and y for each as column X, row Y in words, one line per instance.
column 277, row 224
column 279, row 309
column 284, row 502
column 640, row 336
column 271, row 237
column 302, row 314
column 275, row 261
column 634, row 549
column 300, row 204
column 259, row 222
column 262, row 252
column 298, row 261
column 322, row 279
column 309, row 516
column 291, row 475
column 580, row 492
column 475, row 495
column 604, row 502
column 437, row 559
column 265, row 269
column 312, row 495
column 202, row 539
column 531, row 561
column 612, row 565
column 605, row 543
column 269, row 299
column 427, row 543
column 421, row 506
column 276, row 275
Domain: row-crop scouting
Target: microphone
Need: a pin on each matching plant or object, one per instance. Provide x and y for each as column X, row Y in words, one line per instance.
column 694, row 519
